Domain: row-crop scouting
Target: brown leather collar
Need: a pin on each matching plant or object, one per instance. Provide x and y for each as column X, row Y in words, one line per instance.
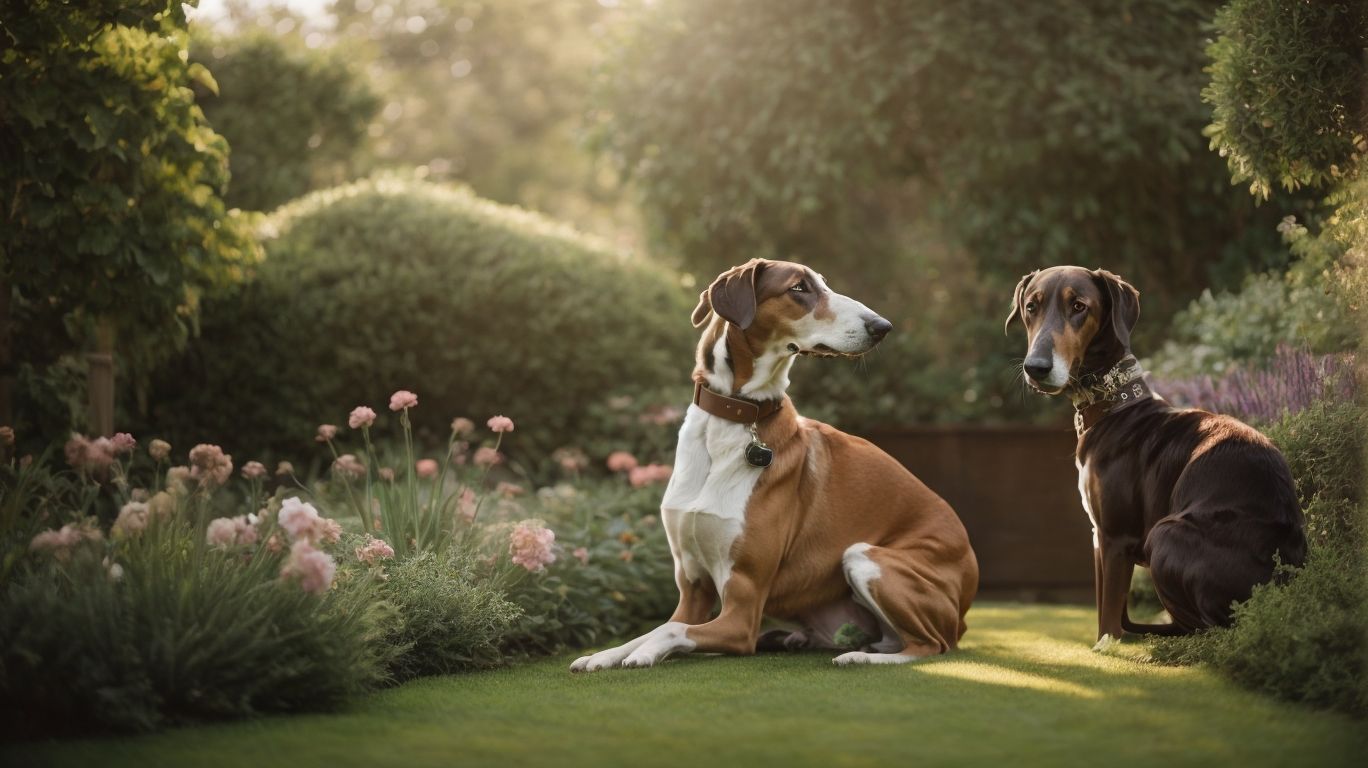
column 737, row 409
column 1119, row 387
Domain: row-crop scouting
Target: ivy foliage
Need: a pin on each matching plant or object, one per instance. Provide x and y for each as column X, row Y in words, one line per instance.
column 1290, row 106
column 110, row 178
column 296, row 117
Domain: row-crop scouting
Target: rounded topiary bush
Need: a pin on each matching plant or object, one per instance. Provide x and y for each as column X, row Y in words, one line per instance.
column 390, row 284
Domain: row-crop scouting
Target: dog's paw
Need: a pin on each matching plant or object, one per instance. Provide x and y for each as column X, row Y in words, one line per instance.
column 1106, row 643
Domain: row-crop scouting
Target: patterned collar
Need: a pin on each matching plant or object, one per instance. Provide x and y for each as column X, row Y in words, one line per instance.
column 1098, row 395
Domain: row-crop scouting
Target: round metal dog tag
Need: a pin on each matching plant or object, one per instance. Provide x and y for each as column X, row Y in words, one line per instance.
column 759, row 455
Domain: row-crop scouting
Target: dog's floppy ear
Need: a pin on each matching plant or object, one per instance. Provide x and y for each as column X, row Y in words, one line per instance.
column 704, row 308
column 1125, row 304
column 732, row 295
column 1016, row 299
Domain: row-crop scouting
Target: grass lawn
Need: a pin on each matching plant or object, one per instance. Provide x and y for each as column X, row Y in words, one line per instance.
column 1024, row 689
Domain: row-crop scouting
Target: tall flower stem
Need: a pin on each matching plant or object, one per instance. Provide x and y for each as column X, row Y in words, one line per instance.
column 484, row 478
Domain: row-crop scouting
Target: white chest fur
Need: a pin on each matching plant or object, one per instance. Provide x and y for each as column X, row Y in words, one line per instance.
column 1084, row 480
column 704, row 510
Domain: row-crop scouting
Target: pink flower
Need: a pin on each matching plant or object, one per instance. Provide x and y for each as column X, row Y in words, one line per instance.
column 621, row 461
column 462, row 426
column 123, row 443
column 253, row 470
column 374, row 550
column 509, row 490
column 329, row 531
column 92, row 456
column 487, row 457
column 302, row 521
column 403, row 400
column 222, row 533
column 426, row 468
column 132, row 519
column 326, row 432
column 468, row 503
column 530, row 545
column 210, row 465
column 361, row 417
column 386, row 474
column 313, row 569
column 582, row 555
column 284, row 468
column 159, row 450
column 349, row 466
column 178, row 479
column 61, row 542
column 500, row 424
column 651, row 473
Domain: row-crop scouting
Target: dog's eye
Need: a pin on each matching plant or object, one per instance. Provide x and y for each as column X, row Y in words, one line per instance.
column 1079, row 306
column 1031, row 306
column 799, row 288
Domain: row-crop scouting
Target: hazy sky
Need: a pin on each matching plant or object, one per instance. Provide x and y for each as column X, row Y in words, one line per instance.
column 302, row 7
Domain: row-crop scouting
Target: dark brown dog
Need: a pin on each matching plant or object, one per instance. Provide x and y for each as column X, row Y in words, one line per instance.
column 1205, row 501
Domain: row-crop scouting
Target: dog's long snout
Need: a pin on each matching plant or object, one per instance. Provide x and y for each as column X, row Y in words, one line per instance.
column 1038, row 367
column 877, row 327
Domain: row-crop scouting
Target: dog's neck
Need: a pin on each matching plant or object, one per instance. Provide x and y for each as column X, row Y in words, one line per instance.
column 728, row 363
column 1107, row 390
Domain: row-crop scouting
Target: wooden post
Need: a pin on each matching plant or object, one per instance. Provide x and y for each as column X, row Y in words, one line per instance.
column 100, row 384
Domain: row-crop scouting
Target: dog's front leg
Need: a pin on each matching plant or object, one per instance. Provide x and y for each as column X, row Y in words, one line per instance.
column 734, row 631
column 1113, row 589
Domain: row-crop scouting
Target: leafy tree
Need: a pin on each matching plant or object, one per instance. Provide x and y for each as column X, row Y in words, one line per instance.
column 295, row 117
column 1289, row 89
column 109, row 184
column 1032, row 133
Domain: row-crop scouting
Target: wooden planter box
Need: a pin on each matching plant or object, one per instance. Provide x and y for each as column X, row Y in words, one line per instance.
column 1016, row 489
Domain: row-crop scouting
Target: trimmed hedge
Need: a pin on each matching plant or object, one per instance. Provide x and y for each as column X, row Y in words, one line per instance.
column 390, row 284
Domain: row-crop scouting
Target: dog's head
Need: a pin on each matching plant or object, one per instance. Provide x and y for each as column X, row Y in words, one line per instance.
column 781, row 307
column 1077, row 321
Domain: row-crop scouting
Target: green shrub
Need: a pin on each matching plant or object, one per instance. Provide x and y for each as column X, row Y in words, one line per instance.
column 450, row 620
column 1324, row 446
column 389, row 284
column 185, row 632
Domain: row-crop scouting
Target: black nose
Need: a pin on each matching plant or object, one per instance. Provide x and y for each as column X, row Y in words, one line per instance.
column 878, row 327
column 1038, row 368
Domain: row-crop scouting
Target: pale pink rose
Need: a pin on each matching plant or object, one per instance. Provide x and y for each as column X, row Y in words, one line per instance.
column 326, row 432
column 387, row 474
column 487, row 457
column 284, row 468
column 468, row 504
column 461, row 426
column 349, row 466
column 530, row 544
column 509, row 490
column 500, row 424
column 361, row 417
column 132, row 519
column 300, row 519
column 7, row 436
column 374, row 550
column 123, row 443
column 222, row 533
column 402, row 400
column 210, row 465
column 159, row 450
column 621, row 461
column 426, row 468
column 313, row 569
column 582, row 555
column 651, row 473
column 253, row 470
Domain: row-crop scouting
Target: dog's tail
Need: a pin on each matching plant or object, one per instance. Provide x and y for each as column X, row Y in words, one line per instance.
column 1162, row 630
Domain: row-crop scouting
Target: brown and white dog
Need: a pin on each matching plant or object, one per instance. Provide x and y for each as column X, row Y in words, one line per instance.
column 1205, row 501
column 832, row 535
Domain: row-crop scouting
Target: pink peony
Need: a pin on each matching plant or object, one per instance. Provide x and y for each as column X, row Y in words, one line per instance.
column 582, row 555
column 159, row 450
column 426, row 468
column 326, row 432
column 313, row 569
column 487, row 457
column 132, row 519
column 123, row 443
column 651, row 473
column 284, row 468
column 349, row 466
column 403, row 400
column 210, row 465
column 374, row 550
column 530, row 545
column 500, row 423
column 621, row 461
column 361, row 417
column 253, row 470
column 462, row 426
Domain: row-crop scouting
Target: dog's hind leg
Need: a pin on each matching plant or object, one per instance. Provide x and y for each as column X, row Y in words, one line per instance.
column 916, row 619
